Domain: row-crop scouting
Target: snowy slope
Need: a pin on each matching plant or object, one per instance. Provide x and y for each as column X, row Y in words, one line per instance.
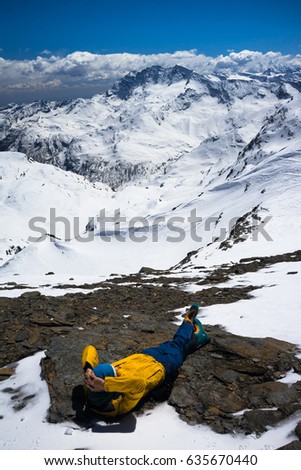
column 30, row 190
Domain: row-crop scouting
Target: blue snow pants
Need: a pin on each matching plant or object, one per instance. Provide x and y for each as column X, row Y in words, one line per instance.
column 173, row 353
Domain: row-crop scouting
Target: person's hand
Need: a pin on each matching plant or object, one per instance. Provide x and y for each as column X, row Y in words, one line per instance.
column 94, row 383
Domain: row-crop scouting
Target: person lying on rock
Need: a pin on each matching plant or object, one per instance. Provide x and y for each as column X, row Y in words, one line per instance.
column 115, row 389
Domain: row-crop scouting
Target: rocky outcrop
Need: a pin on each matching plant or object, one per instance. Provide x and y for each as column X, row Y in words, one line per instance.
column 234, row 383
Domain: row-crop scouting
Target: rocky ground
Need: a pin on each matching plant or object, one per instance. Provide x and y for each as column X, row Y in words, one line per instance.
column 230, row 384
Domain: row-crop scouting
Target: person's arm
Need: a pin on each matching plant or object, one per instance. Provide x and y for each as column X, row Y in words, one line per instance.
column 132, row 388
column 94, row 383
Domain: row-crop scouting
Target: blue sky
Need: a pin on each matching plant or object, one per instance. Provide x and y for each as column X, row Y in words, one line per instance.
column 61, row 49
column 33, row 27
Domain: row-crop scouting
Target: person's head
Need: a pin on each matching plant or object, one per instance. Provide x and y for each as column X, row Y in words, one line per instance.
column 104, row 370
column 102, row 401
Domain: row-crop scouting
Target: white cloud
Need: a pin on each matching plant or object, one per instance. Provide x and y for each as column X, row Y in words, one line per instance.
column 85, row 68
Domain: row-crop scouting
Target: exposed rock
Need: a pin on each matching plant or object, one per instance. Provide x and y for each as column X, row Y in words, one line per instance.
column 298, row 430
column 294, row 445
column 6, row 371
column 232, row 383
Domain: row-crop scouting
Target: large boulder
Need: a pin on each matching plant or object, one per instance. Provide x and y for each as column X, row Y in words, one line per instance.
column 234, row 383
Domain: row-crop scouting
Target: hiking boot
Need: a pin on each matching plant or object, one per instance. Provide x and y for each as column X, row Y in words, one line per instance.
column 200, row 334
column 192, row 313
column 198, row 339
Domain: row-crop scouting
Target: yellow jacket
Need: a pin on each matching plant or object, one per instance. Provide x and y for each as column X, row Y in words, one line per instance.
column 137, row 375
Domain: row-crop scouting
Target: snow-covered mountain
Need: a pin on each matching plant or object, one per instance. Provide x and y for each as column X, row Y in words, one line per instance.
column 191, row 163
column 147, row 120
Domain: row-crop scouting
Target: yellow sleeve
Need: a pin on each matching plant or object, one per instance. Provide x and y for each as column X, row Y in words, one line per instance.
column 132, row 388
column 90, row 355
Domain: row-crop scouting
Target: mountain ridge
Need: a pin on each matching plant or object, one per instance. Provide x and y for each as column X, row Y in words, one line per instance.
column 128, row 132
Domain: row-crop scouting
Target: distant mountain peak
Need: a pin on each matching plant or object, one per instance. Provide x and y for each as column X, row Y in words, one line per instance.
column 124, row 87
